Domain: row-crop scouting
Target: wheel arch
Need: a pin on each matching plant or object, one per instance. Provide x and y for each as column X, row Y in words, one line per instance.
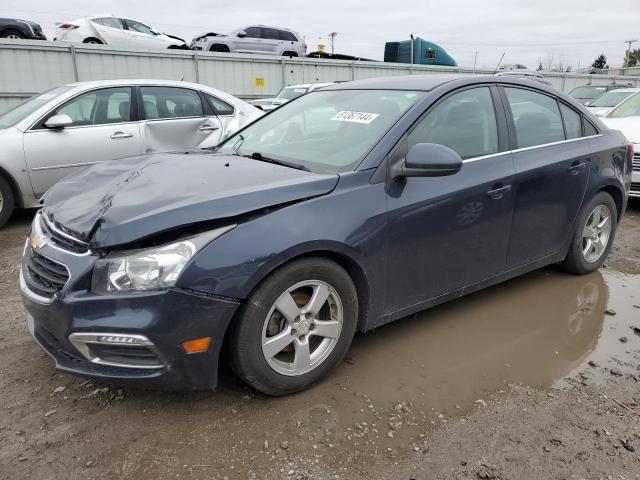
column 15, row 189
column 617, row 195
column 339, row 253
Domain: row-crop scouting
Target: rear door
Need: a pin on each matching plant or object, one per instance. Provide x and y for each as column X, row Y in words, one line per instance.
column 452, row 231
column 552, row 161
column 271, row 43
column 105, row 127
column 176, row 118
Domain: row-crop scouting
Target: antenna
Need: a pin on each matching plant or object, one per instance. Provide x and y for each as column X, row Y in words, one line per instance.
column 499, row 62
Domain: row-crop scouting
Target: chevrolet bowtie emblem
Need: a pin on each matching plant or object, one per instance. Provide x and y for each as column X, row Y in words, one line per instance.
column 37, row 241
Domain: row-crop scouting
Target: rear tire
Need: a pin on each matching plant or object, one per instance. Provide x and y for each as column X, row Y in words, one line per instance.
column 593, row 236
column 219, row 48
column 289, row 54
column 315, row 331
column 14, row 34
column 93, row 41
column 7, row 201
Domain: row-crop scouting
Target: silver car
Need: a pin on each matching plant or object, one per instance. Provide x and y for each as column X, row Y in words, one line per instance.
column 285, row 95
column 256, row 39
column 60, row 131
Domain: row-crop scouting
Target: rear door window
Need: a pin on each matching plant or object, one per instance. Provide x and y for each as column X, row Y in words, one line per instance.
column 170, row 102
column 536, row 117
column 465, row 122
column 288, row 36
column 108, row 22
column 270, row 34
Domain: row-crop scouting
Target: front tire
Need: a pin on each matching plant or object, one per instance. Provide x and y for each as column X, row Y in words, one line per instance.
column 93, row 41
column 594, row 234
column 295, row 327
column 219, row 48
column 7, row 201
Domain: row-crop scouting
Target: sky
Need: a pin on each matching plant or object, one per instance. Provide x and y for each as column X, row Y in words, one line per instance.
column 570, row 32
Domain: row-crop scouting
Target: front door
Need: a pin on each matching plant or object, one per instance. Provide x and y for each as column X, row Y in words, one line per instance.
column 449, row 232
column 552, row 162
column 175, row 118
column 102, row 130
column 251, row 43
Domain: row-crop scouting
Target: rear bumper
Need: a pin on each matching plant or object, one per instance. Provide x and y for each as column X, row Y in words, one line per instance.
column 165, row 318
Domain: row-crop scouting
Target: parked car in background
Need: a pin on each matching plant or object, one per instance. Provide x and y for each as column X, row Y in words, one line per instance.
column 20, row 29
column 607, row 101
column 117, row 33
column 626, row 118
column 285, row 95
column 524, row 74
column 69, row 127
column 257, row 39
column 345, row 209
column 585, row 94
column 513, row 66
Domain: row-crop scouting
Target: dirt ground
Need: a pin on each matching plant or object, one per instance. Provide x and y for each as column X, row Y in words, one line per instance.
column 538, row 378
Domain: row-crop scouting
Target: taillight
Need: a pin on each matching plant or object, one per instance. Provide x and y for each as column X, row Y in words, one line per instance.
column 305, row 47
column 630, row 151
column 68, row 26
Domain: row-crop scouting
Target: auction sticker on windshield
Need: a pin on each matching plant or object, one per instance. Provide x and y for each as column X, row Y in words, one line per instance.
column 356, row 117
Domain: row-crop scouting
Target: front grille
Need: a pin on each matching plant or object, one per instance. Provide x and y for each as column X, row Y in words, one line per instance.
column 635, row 187
column 61, row 238
column 636, row 162
column 43, row 276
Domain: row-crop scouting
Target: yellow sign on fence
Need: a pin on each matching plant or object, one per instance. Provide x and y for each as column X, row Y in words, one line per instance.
column 259, row 81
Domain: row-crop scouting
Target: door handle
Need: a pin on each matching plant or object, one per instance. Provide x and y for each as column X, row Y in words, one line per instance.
column 576, row 168
column 498, row 193
column 120, row 134
column 208, row 127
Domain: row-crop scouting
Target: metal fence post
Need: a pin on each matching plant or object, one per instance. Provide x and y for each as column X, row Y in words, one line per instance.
column 353, row 70
column 284, row 73
column 196, row 66
column 72, row 49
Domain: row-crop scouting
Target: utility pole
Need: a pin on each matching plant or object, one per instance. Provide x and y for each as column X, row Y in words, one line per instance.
column 629, row 42
column 412, row 41
column 475, row 58
column 333, row 36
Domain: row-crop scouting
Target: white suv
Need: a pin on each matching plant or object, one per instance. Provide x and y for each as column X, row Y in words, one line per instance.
column 259, row 39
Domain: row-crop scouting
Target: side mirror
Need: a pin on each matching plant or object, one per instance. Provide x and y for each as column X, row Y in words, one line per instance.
column 59, row 121
column 242, row 34
column 427, row 160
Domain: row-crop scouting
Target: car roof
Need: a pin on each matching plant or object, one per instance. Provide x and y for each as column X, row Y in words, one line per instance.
column 136, row 81
column 426, row 83
column 271, row 26
column 308, row 85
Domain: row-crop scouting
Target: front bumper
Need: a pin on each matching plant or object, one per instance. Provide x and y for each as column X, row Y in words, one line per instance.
column 163, row 319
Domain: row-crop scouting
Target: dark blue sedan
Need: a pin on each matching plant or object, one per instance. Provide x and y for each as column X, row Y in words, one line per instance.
column 345, row 209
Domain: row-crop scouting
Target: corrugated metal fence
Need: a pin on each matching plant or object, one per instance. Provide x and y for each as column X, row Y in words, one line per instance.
column 31, row 67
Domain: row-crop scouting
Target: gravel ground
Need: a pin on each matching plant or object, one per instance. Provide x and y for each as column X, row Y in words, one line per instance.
column 534, row 379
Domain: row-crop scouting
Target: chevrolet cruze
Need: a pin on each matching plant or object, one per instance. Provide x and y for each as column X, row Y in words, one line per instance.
column 345, row 209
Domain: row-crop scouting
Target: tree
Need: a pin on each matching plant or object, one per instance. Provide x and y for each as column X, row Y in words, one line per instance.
column 539, row 65
column 633, row 58
column 600, row 62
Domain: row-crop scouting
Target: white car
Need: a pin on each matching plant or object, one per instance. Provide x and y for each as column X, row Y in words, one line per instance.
column 256, row 39
column 69, row 127
column 285, row 95
column 117, row 33
column 609, row 100
column 626, row 118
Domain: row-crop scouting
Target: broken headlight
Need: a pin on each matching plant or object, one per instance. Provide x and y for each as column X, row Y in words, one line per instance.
column 155, row 268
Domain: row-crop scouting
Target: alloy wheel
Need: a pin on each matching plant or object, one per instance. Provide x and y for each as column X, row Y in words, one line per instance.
column 302, row 327
column 13, row 36
column 596, row 233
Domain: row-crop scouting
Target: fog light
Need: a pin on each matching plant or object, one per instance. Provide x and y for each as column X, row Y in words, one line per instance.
column 196, row 345
column 120, row 340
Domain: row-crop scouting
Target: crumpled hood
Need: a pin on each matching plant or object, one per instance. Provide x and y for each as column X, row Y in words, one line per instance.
column 121, row 201
column 629, row 126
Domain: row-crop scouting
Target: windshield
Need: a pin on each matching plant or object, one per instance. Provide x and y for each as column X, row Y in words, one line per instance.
column 13, row 116
column 324, row 131
column 289, row 93
column 610, row 99
column 587, row 92
column 629, row 108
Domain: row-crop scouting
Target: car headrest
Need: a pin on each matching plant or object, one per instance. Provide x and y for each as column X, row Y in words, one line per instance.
column 125, row 111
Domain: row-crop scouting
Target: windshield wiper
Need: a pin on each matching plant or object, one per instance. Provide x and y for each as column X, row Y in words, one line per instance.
column 258, row 156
